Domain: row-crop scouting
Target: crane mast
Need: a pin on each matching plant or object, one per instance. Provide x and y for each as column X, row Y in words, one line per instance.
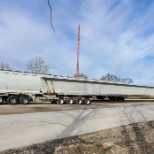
column 78, row 53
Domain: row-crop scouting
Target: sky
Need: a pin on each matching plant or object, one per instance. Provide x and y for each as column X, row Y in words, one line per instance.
column 117, row 36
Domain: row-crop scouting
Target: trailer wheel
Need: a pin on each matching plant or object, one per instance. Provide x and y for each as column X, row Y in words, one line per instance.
column 115, row 99
column 122, row 99
column 24, row 100
column 53, row 102
column 87, row 101
column 79, row 101
column 1, row 100
column 70, row 101
column 60, row 101
column 12, row 100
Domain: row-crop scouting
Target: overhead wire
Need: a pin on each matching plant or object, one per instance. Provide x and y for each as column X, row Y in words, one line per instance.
column 51, row 15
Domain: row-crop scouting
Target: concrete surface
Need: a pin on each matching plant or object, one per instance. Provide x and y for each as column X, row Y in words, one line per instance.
column 18, row 130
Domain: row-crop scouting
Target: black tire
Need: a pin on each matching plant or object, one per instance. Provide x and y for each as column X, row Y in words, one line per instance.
column 111, row 98
column 53, row 102
column 60, row 101
column 115, row 99
column 1, row 100
column 12, row 100
column 70, row 101
column 79, row 101
column 24, row 100
column 122, row 99
column 87, row 101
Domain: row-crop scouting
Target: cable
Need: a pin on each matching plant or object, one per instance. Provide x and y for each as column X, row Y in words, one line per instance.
column 51, row 15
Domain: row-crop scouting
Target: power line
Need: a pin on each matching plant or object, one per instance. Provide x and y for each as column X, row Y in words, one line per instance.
column 51, row 15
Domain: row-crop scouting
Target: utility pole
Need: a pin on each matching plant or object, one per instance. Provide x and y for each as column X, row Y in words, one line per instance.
column 78, row 53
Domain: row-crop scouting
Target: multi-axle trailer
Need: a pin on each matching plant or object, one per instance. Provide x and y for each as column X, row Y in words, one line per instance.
column 19, row 87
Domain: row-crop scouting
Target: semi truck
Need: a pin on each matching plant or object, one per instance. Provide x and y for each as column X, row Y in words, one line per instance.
column 24, row 88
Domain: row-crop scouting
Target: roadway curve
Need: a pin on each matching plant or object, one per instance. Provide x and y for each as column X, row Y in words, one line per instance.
column 19, row 130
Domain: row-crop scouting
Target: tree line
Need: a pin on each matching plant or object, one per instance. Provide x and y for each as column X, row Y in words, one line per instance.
column 110, row 78
column 37, row 65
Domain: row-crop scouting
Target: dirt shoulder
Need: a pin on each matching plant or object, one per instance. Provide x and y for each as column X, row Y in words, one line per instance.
column 18, row 109
column 135, row 138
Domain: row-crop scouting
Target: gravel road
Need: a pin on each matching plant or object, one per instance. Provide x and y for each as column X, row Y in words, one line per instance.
column 19, row 130
column 6, row 109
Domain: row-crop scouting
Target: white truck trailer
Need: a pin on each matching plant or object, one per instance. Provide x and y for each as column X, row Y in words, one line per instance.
column 19, row 87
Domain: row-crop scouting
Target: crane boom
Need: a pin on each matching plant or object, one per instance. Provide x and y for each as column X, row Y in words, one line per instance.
column 78, row 53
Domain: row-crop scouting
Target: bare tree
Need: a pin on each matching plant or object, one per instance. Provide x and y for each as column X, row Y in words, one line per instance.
column 114, row 78
column 110, row 77
column 127, row 81
column 81, row 75
column 5, row 66
column 37, row 65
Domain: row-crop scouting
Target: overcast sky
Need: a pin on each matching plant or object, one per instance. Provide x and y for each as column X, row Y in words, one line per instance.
column 117, row 36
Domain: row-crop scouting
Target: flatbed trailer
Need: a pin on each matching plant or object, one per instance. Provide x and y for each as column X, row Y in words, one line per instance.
column 21, row 87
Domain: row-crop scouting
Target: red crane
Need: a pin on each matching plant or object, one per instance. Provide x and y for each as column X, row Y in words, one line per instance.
column 78, row 53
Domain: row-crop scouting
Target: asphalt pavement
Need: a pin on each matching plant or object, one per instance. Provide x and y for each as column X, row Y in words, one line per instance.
column 19, row 130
